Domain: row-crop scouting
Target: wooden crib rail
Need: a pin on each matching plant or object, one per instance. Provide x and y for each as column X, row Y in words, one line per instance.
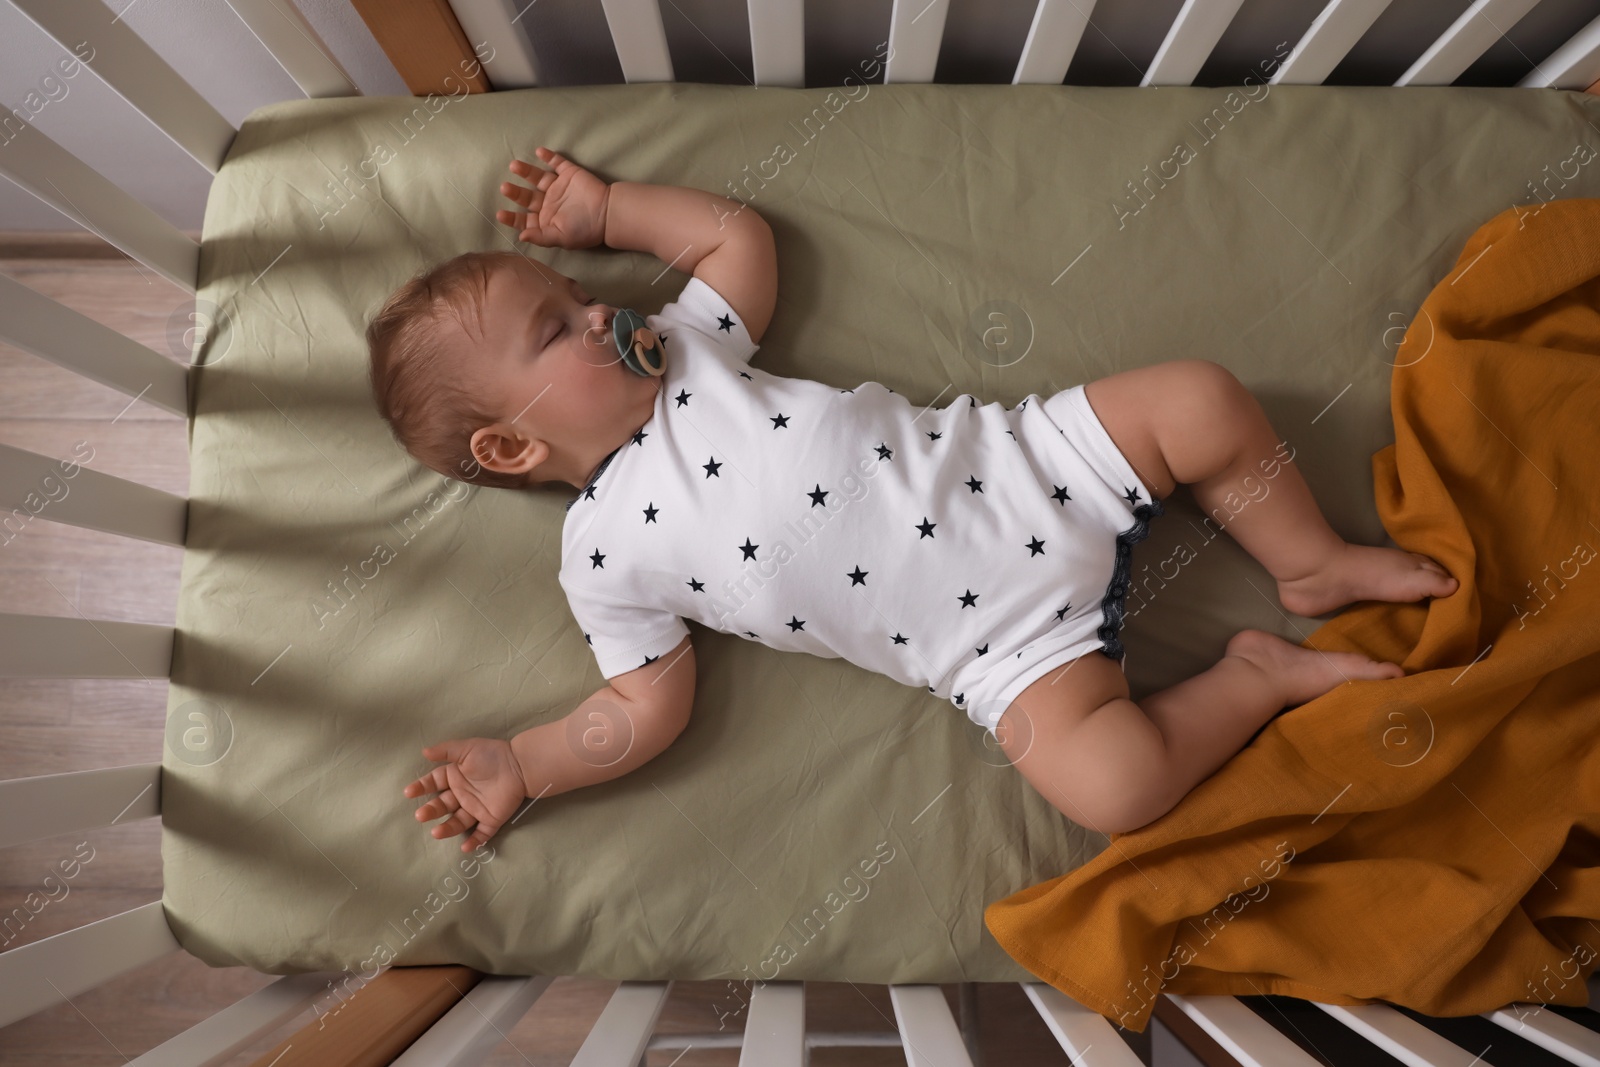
column 79, row 192
column 77, row 800
column 917, row 29
column 39, row 325
column 41, row 975
column 215, row 1039
column 60, row 490
column 142, row 78
column 290, row 40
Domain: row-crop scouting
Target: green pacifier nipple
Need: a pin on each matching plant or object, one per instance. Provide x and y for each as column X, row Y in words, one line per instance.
column 637, row 344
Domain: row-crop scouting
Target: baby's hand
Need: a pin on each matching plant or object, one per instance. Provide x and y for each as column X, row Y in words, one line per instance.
column 480, row 784
column 566, row 208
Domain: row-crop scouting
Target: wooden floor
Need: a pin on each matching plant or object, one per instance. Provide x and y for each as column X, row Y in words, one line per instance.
column 51, row 726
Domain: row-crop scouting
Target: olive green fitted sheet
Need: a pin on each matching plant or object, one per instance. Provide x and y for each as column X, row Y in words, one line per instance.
column 342, row 606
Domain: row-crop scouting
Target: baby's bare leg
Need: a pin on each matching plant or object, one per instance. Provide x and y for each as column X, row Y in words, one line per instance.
column 1113, row 765
column 1192, row 421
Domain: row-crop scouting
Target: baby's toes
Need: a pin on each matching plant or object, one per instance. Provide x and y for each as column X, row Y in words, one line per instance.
column 1437, row 581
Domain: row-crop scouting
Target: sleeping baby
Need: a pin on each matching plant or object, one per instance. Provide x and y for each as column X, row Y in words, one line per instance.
column 978, row 551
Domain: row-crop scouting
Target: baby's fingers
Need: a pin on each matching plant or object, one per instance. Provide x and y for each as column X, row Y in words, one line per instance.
column 459, row 823
column 521, row 194
column 480, row 836
column 432, row 782
column 554, row 160
column 443, row 804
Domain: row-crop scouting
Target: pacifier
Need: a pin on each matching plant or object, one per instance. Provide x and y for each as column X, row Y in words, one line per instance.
column 638, row 344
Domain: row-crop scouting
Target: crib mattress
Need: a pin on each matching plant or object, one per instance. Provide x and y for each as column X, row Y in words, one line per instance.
column 341, row 606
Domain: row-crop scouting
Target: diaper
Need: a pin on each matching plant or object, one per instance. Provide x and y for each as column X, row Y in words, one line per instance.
column 1112, row 512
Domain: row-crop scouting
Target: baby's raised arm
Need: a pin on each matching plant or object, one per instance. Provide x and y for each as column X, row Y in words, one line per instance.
column 717, row 239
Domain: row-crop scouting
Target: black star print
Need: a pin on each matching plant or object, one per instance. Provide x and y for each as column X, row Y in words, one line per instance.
column 711, row 468
column 900, row 641
column 795, row 623
column 650, row 512
column 1060, row 495
column 984, row 651
column 748, row 549
column 588, row 491
column 818, row 495
column 751, row 634
column 662, row 338
column 1062, row 613
column 857, row 576
column 972, row 401
column 934, row 436
column 683, row 397
column 969, row 599
column 926, row 527
column 885, row 452
column 1014, row 436
column 724, row 323
column 930, row 688
column 649, row 660
column 696, row 585
column 596, row 560
column 1132, row 495
column 779, row 421
column 589, row 639
column 1022, row 405
column 961, row 698
column 1037, row 547
column 639, row 437
column 975, row 485
column 742, row 374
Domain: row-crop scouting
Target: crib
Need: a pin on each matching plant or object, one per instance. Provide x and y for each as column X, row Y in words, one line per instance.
column 453, row 1015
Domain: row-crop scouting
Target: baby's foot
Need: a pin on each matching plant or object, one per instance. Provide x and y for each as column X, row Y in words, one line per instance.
column 1361, row 572
column 1303, row 673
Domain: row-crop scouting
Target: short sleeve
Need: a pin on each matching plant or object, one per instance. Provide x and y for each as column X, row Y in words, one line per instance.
column 623, row 635
column 702, row 309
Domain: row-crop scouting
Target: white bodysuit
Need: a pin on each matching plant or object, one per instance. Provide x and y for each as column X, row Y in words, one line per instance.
column 968, row 549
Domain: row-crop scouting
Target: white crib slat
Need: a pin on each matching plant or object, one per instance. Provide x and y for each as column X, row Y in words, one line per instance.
column 1246, row 1036
column 1468, row 37
column 215, row 1039
column 778, row 42
column 1328, row 40
column 37, row 976
column 928, row 1031
column 289, row 39
column 142, row 78
column 1188, row 44
column 1554, row 1033
column 1083, row 1034
column 75, row 189
column 48, row 646
column 916, row 30
column 51, row 804
column 468, row 1032
column 510, row 63
column 623, row 1030
column 1053, row 39
column 37, row 324
column 640, row 39
column 1400, row 1036
column 1575, row 65
column 775, row 1031
column 40, row 488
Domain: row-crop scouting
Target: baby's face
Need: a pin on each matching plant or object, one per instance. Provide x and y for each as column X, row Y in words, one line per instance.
column 551, row 370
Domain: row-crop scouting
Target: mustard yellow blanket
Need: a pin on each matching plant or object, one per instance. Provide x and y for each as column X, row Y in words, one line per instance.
column 1433, row 840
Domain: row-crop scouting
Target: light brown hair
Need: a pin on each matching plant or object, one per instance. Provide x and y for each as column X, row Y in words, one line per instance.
column 416, row 344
